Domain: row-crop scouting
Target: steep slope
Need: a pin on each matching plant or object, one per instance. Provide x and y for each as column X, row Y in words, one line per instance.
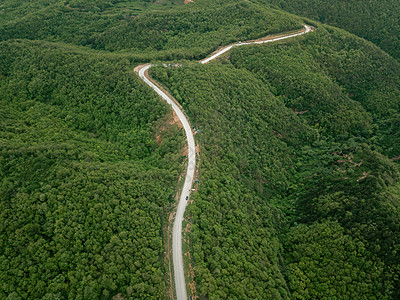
column 290, row 163
column 85, row 180
column 234, row 240
column 197, row 28
column 184, row 32
column 377, row 21
column 18, row 10
column 84, row 187
column 298, row 194
column 339, row 83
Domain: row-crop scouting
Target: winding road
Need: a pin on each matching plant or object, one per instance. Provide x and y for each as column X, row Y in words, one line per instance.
column 179, row 275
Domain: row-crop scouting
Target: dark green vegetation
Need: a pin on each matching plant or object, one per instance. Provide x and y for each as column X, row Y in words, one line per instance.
column 298, row 197
column 188, row 32
column 11, row 10
column 342, row 85
column 194, row 31
column 299, row 186
column 377, row 20
column 84, row 186
column 235, row 246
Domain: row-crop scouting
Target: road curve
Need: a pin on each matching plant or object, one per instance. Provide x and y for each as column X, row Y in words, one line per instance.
column 227, row 48
column 179, row 274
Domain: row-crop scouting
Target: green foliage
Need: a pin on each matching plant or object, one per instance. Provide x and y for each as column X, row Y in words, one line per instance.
column 245, row 159
column 58, row 23
column 339, row 83
column 255, row 124
column 198, row 29
column 189, row 32
column 357, row 188
column 344, row 87
column 84, row 187
column 16, row 9
column 297, row 197
column 308, row 90
column 376, row 20
column 323, row 262
column 12, row 10
column 265, row 166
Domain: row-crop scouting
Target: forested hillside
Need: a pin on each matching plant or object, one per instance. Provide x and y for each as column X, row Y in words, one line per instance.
column 342, row 85
column 196, row 30
column 297, row 197
column 16, row 10
column 85, row 188
column 377, row 21
column 299, row 192
column 188, row 32
column 88, row 167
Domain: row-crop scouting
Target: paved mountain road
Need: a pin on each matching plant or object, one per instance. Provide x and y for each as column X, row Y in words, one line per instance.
column 179, row 274
column 227, row 48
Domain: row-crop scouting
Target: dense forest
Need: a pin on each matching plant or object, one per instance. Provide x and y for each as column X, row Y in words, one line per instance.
column 184, row 32
column 299, row 192
column 340, row 84
column 16, row 10
column 298, row 196
column 85, row 188
column 375, row 20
